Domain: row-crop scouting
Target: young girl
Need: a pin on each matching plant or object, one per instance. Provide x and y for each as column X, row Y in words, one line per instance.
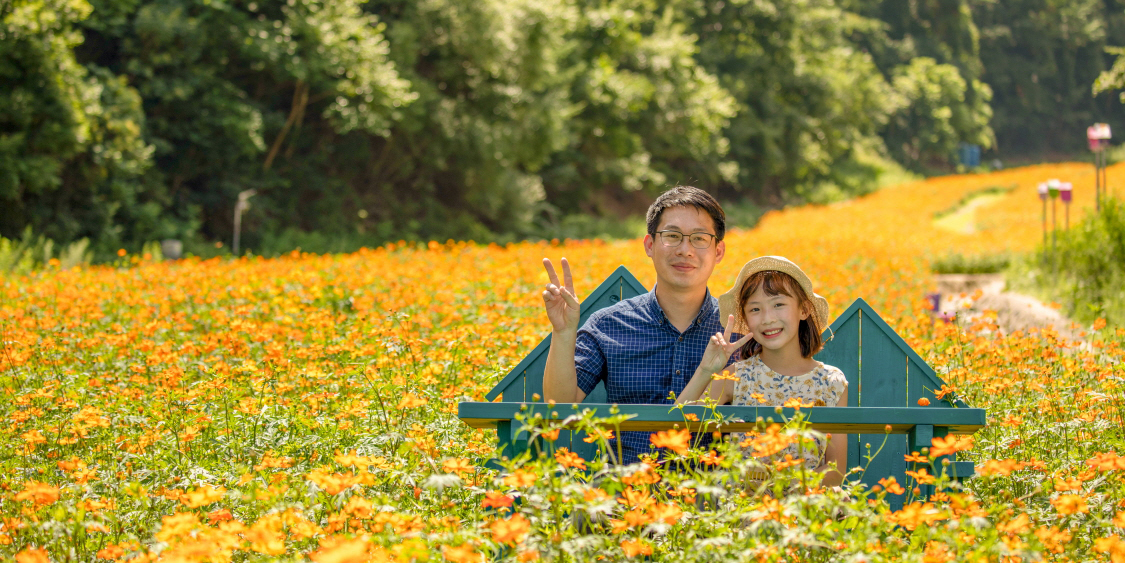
column 782, row 320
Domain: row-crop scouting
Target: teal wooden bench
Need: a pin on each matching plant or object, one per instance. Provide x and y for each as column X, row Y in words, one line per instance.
column 886, row 378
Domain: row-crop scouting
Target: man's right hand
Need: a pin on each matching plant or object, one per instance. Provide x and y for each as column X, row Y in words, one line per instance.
column 560, row 301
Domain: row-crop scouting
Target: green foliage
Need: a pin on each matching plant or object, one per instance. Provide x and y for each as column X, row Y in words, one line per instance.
column 125, row 121
column 970, row 263
column 1041, row 58
column 988, row 191
column 73, row 162
column 18, row 257
column 933, row 114
column 1114, row 78
column 1086, row 270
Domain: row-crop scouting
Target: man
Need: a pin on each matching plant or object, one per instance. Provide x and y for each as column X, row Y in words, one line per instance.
column 645, row 347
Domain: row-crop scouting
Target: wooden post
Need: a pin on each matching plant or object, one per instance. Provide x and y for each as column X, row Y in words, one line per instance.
column 241, row 206
column 1066, row 193
column 1043, row 198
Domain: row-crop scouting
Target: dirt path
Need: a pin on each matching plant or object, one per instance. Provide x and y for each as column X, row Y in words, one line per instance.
column 1014, row 311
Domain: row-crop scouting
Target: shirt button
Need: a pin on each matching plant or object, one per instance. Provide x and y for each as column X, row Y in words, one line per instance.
column 677, row 372
column 681, row 339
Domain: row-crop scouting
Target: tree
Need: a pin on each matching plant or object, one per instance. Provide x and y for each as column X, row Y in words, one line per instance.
column 73, row 162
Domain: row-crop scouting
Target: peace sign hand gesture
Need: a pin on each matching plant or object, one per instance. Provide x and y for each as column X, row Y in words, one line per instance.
column 560, row 301
column 720, row 349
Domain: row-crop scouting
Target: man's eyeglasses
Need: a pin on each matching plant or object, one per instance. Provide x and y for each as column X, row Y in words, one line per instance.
column 674, row 238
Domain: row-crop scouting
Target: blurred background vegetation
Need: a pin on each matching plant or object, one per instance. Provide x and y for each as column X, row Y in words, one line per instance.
column 360, row 122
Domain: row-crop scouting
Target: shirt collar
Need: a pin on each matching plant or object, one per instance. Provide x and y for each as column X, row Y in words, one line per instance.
column 710, row 307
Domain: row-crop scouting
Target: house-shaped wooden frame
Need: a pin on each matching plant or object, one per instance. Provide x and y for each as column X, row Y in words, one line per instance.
column 881, row 368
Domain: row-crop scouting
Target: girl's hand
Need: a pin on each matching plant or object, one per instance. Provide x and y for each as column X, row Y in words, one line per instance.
column 720, row 349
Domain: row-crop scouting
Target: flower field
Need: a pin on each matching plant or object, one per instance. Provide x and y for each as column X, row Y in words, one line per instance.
column 304, row 408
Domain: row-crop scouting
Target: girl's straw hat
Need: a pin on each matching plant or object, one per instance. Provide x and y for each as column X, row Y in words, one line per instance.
column 728, row 302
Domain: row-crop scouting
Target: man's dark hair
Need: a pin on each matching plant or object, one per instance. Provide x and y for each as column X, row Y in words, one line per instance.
column 687, row 196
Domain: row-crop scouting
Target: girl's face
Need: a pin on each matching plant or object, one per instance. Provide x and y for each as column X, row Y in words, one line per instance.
column 775, row 320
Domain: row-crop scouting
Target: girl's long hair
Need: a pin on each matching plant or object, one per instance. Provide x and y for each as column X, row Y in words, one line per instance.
column 779, row 283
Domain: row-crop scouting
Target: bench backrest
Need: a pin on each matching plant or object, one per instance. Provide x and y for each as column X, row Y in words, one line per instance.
column 881, row 368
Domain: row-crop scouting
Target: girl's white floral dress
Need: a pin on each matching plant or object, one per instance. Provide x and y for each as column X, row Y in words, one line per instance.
column 758, row 385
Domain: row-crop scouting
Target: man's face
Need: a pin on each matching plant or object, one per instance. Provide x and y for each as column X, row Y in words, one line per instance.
column 684, row 267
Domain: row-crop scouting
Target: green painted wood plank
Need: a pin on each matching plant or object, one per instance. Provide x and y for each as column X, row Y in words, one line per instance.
column 841, row 349
column 659, row 417
column 884, row 383
column 621, row 284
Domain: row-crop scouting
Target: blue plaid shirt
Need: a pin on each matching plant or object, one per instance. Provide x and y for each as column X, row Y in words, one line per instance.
column 641, row 357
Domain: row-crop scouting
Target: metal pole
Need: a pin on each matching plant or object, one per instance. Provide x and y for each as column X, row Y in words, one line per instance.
column 1044, row 229
column 1097, row 181
column 242, row 205
column 1105, row 175
column 1054, row 228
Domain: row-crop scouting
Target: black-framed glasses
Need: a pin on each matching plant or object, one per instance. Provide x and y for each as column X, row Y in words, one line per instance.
column 674, row 238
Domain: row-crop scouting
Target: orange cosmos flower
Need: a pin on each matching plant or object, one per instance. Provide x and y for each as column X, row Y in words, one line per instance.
column 202, row 496
column 923, row 402
column 529, row 555
column 1108, row 461
column 936, row 552
column 597, row 434
column 916, row 514
column 32, row 555
column 1069, row 504
column 922, row 476
column 636, row 498
column 266, row 537
column 333, row 550
column 410, row 401
column 999, row 467
column 40, row 493
column 675, row 440
column 1053, row 538
column 915, row 457
column 520, row 479
column 892, row 486
column 1111, row 545
column 457, row 465
column 1018, row 525
column 550, row 435
column 725, row 376
column 219, row 515
column 567, row 458
column 464, row 553
column 510, row 531
column 950, row 444
column 111, row 551
column 633, row 548
column 796, row 403
column 945, row 390
column 496, row 499
column 667, row 513
column 594, row 495
column 711, row 458
column 1072, row 484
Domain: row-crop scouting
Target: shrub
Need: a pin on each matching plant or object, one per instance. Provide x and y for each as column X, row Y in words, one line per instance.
column 1086, row 270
